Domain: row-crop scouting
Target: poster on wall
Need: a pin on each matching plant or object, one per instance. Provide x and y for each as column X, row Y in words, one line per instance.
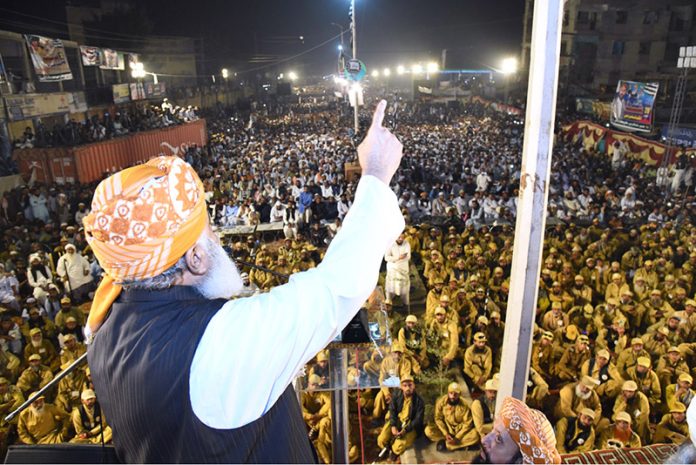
column 155, row 91
column 111, row 59
column 121, row 93
column 91, row 56
column 24, row 106
column 48, row 57
column 632, row 107
column 137, row 91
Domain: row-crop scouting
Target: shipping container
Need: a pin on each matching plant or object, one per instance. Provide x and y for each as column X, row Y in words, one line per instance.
column 91, row 162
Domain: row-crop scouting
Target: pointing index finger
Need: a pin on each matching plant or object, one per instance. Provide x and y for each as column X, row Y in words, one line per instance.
column 378, row 117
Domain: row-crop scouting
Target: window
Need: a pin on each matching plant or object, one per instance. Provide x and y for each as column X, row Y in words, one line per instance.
column 618, row 47
column 621, row 16
column 644, row 48
column 650, row 17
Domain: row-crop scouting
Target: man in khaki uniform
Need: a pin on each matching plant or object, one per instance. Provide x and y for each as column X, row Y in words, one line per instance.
column 673, row 428
column 601, row 369
column 42, row 347
column 69, row 389
column 636, row 404
column 575, row 397
column 537, row 390
column 89, row 422
column 10, row 399
column 406, row 411
column 453, row 426
column 73, row 349
column 35, row 376
column 42, row 423
column 576, row 434
column 412, row 339
column 647, row 381
column 629, row 356
column 67, row 310
column 555, row 318
column 483, row 408
column 543, row 354
column 569, row 367
column 393, row 366
column 316, row 411
column 680, row 392
column 656, row 343
column 442, row 339
column 670, row 366
column 619, row 435
column 478, row 361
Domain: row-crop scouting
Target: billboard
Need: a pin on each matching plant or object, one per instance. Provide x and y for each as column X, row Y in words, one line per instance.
column 137, row 91
column 155, row 91
column 121, row 93
column 25, row 106
column 681, row 136
column 91, row 56
column 632, row 107
column 111, row 59
column 48, row 57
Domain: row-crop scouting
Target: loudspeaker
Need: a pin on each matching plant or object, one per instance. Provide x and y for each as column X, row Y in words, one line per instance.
column 62, row 453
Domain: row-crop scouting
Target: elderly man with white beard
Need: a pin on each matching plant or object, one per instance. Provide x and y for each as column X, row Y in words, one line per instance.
column 74, row 270
column 577, row 396
column 161, row 321
column 42, row 423
column 398, row 280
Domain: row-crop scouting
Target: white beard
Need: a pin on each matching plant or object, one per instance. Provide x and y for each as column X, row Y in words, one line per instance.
column 222, row 280
column 36, row 344
column 580, row 394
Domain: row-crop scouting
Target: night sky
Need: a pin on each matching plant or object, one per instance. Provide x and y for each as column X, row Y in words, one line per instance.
column 251, row 35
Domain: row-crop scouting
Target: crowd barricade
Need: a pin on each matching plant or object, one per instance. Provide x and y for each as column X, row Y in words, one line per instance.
column 594, row 136
column 89, row 163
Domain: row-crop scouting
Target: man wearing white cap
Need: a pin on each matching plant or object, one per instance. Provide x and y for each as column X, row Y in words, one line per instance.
column 636, row 404
column 9, row 288
column 483, row 408
column 576, row 434
column 412, row 339
column 248, row 288
column 398, row 281
column 89, row 422
column 42, row 423
column 575, row 397
column 453, row 426
column 74, row 270
column 620, row 434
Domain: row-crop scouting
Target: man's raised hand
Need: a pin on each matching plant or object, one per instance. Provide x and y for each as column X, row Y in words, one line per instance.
column 380, row 153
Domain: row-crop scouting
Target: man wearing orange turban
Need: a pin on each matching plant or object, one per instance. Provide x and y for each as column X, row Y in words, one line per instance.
column 520, row 435
column 183, row 373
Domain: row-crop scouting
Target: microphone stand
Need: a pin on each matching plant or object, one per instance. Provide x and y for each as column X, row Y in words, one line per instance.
column 83, row 357
column 41, row 391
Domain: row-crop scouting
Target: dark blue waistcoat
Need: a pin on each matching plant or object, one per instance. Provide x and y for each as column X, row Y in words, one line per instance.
column 140, row 361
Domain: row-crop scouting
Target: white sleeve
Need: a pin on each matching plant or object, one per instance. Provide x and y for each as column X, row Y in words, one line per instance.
column 253, row 347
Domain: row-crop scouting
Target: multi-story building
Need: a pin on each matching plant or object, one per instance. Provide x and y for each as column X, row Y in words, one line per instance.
column 607, row 40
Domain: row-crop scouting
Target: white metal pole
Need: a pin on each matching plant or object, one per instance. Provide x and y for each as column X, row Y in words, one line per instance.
column 355, row 56
column 531, row 212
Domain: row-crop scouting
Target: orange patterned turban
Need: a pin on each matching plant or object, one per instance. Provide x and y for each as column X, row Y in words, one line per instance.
column 143, row 220
column 531, row 431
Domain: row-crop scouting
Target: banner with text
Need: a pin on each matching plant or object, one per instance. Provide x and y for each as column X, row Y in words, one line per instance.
column 27, row 106
column 632, row 107
column 48, row 57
